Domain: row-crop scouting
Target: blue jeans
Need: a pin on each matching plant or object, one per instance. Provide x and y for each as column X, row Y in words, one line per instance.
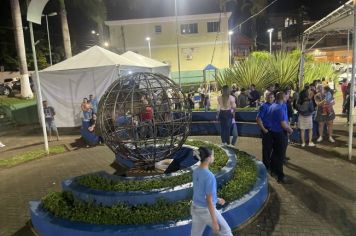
column 201, row 218
column 225, row 118
column 234, row 133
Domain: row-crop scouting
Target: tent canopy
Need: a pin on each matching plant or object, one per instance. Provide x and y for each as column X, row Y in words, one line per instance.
column 142, row 60
column 156, row 66
column 65, row 84
column 339, row 20
column 93, row 57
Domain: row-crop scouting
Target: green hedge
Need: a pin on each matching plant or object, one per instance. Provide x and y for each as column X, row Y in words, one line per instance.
column 65, row 206
column 98, row 182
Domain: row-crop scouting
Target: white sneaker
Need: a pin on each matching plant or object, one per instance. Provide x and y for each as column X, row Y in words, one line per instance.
column 223, row 144
column 331, row 140
column 311, row 144
column 303, row 144
column 320, row 139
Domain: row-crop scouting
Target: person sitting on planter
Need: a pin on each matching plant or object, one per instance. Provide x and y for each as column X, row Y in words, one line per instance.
column 203, row 208
column 88, row 133
column 242, row 99
column 254, row 96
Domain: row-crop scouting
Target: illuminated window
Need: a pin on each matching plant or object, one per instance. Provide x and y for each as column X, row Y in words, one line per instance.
column 189, row 28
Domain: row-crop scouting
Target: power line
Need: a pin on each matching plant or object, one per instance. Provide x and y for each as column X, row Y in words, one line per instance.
column 262, row 10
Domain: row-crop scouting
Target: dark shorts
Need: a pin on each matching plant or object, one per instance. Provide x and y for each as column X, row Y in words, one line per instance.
column 50, row 125
column 324, row 118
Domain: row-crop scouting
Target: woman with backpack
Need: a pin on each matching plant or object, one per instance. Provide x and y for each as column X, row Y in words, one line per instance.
column 306, row 109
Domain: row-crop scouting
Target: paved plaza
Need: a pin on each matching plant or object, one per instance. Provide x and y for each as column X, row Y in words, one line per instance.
column 321, row 200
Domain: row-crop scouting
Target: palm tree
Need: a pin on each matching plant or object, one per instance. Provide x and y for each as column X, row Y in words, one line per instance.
column 65, row 29
column 20, row 48
column 96, row 11
column 253, row 7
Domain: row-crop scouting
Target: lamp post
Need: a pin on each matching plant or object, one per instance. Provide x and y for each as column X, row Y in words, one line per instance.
column 49, row 40
column 230, row 46
column 270, row 31
column 177, row 39
column 34, row 13
column 352, row 89
column 148, row 39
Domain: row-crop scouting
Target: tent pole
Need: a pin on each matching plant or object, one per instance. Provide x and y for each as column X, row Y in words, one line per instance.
column 302, row 61
column 352, row 90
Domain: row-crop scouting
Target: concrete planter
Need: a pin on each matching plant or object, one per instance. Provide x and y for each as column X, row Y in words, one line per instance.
column 109, row 198
column 236, row 213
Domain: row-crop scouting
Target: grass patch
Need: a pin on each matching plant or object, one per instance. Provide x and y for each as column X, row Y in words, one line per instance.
column 4, row 100
column 98, row 182
column 64, row 205
column 31, row 155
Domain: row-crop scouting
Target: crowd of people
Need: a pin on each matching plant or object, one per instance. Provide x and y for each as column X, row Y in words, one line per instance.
column 311, row 109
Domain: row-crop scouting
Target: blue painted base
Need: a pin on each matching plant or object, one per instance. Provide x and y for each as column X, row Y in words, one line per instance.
column 235, row 213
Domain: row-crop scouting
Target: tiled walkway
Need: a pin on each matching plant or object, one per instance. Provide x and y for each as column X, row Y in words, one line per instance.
column 321, row 200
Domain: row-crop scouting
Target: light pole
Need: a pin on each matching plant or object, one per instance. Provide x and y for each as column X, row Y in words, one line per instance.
column 177, row 39
column 270, row 31
column 148, row 39
column 49, row 40
column 230, row 46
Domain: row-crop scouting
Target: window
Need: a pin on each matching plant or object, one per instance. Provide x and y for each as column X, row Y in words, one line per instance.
column 158, row 29
column 189, row 28
column 213, row 27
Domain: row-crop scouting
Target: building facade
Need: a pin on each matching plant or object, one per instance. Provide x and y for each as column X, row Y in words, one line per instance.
column 202, row 41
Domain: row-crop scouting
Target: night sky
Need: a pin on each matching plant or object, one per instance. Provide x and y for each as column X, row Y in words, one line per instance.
column 80, row 26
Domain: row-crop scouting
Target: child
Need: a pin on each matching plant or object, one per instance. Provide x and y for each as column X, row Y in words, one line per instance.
column 327, row 107
column 203, row 208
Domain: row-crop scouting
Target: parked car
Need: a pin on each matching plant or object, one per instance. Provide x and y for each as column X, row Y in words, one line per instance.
column 13, row 85
column 4, row 90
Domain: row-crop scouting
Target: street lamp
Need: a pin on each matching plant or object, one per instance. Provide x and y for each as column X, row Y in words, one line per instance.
column 106, row 44
column 230, row 46
column 49, row 40
column 148, row 39
column 270, row 31
column 93, row 32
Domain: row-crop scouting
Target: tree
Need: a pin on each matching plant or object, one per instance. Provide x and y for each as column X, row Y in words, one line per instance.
column 253, row 7
column 65, row 29
column 95, row 11
column 20, row 48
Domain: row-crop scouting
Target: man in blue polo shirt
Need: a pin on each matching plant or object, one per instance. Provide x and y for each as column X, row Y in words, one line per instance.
column 264, row 125
column 280, row 129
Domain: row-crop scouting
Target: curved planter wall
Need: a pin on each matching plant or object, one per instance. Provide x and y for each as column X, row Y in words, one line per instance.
column 109, row 198
column 235, row 213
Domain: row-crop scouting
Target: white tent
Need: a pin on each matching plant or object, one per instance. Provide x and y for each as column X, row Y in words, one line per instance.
column 65, row 84
column 342, row 19
column 156, row 66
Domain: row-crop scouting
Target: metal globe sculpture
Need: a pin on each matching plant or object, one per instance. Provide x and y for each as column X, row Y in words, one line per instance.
column 144, row 118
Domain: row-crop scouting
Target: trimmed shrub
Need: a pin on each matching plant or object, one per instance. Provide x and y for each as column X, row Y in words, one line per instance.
column 65, row 206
